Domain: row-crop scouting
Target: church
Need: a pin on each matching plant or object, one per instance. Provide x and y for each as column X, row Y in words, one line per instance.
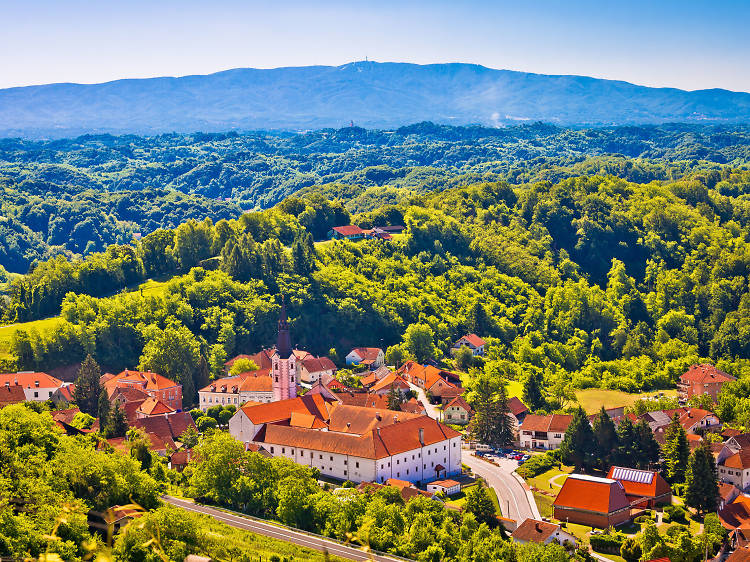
column 283, row 362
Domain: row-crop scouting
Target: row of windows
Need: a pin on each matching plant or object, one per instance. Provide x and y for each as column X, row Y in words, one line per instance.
column 302, row 453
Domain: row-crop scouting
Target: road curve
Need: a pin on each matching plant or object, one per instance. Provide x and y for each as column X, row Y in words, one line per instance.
column 514, row 501
column 281, row 533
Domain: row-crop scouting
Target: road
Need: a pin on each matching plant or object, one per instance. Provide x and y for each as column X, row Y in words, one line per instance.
column 515, row 502
column 432, row 410
column 281, row 533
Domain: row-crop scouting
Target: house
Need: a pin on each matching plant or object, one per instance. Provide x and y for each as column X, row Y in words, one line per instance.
column 734, row 468
column 391, row 381
column 457, row 411
column 544, row 432
column 153, row 384
column 593, row 501
column 702, row 379
column 334, row 385
column 11, row 394
column 408, row 493
column 166, row 428
column 37, row 387
column 64, row 396
column 727, row 493
column 262, row 359
column 253, row 386
column 152, row 407
column 311, row 369
column 541, row 532
column 736, row 514
column 693, row 420
column 363, row 399
column 517, row 411
column 473, row 342
column 447, row 487
column 179, row 459
column 351, row 442
column 413, row 406
column 372, row 357
column 348, row 232
column 644, row 488
column 443, row 386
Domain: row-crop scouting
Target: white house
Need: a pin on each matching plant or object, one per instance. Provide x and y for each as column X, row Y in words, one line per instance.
column 311, row 369
column 247, row 387
column 543, row 432
column 373, row 357
column 351, row 442
column 37, row 387
column 448, row 487
column 542, row 532
column 473, row 342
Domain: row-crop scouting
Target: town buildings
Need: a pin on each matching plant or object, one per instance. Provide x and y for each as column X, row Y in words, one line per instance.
column 473, row 342
column 37, row 386
column 543, row 432
column 541, row 532
column 153, row 384
column 644, row 488
column 593, row 501
column 371, row 357
column 702, row 379
column 351, row 442
column 457, row 411
column 247, row 387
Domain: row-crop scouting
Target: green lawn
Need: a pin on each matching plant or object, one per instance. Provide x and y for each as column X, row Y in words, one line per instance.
column 542, row 481
column 592, row 399
column 544, row 503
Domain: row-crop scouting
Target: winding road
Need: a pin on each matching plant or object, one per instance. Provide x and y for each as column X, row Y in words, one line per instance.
column 281, row 533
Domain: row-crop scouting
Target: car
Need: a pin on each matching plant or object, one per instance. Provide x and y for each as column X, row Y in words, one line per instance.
column 525, row 458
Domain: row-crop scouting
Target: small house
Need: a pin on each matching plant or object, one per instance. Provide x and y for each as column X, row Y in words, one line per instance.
column 541, row 532
column 372, row 357
column 447, row 487
column 457, row 411
column 473, row 342
column 348, row 232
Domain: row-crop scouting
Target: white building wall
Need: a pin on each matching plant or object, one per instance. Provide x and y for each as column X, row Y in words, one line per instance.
column 241, row 428
column 36, row 394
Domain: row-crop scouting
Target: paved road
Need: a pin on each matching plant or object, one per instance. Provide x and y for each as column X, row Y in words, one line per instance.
column 432, row 410
column 281, row 533
column 514, row 500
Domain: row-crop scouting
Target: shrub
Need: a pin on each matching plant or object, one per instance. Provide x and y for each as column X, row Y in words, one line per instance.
column 607, row 543
column 536, row 465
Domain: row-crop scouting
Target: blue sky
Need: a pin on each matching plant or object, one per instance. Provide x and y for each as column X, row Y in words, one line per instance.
column 687, row 44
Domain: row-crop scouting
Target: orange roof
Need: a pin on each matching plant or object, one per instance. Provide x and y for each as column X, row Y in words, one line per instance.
column 516, row 407
column 301, row 419
column 30, row 379
column 643, row 483
column 348, row 230
column 705, row 373
column 736, row 514
column 363, row 399
column 368, row 353
column 154, row 407
column 11, row 394
column 400, row 484
column 459, row 402
column 146, row 380
column 282, row 410
column 473, row 339
column 740, row 460
column 65, row 416
column 445, row 483
column 318, row 364
column 390, row 380
column 532, row 530
column 555, row 422
column 251, row 381
column 590, row 493
column 360, row 420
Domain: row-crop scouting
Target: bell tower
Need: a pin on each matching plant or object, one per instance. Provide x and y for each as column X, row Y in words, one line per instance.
column 283, row 362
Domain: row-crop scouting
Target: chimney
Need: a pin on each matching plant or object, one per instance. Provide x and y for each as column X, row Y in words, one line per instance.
column 538, row 527
column 421, row 436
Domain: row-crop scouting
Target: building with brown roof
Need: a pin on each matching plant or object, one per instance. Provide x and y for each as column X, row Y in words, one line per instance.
column 390, row 381
column 541, row 532
column 544, row 432
column 457, row 411
column 252, row 386
column 593, row 501
column 473, row 342
column 152, row 407
column 447, row 487
column 643, row 488
column 734, row 468
column 168, row 428
column 351, row 442
column 702, row 379
column 153, row 384
column 11, row 394
column 37, row 386
column 64, row 396
column 312, row 369
column 346, row 232
column 372, row 357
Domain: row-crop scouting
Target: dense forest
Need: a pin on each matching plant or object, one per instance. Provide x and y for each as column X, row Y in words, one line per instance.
column 77, row 196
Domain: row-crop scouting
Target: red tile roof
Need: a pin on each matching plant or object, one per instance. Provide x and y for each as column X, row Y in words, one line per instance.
column 66, row 392
column 532, row 530
column 705, row 373
column 735, row 514
column 128, row 394
column 459, row 402
column 145, row 380
column 318, row 364
column 367, row 353
column 516, row 407
column 65, row 416
column 363, row 399
column 391, row 380
column 30, row 379
column 348, row 230
column 444, row 483
column 154, row 407
column 473, row 339
column 11, row 394
column 556, row 422
column 739, row 460
column 589, row 493
column 642, row 483
column 282, row 410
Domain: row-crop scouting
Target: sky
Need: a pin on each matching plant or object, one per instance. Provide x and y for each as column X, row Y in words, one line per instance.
column 689, row 44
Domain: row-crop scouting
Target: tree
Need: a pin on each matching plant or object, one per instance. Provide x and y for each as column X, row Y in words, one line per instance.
column 205, row 423
column 630, row 550
column 579, row 446
column 676, row 451
column 491, row 423
column 479, row 504
column 532, row 391
column 419, row 342
column 648, row 451
column 174, row 353
column 88, row 387
column 189, row 437
column 395, row 355
column 243, row 365
column 117, row 426
column 139, row 447
column 394, row 398
column 82, row 420
column 607, row 440
column 463, row 358
column 103, row 409
column 702, row 488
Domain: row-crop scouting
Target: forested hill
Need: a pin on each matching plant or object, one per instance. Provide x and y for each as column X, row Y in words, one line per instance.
column 370, row 94
column 77, row 196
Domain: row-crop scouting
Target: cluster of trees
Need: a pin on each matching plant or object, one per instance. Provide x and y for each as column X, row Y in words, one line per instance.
column 78, row 196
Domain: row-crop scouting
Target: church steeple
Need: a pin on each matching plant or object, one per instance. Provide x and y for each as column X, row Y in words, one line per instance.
column 283, row 340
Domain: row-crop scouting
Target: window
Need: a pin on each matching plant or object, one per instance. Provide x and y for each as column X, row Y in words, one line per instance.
column 357, row 465
column 331, row 458
column 398, row 461
column 283, row 450
column 321, row 457
column 36, row 395
column 292, row 451
column 345, row 463
column 272, row 450
column 398, row 475
column 558, row 435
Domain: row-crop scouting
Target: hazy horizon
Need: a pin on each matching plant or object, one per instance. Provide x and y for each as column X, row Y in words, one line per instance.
column 667, row 44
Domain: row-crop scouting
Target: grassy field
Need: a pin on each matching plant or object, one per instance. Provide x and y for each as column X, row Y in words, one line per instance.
column 544, row 503
column 515, row 388
column 542, row 481
column 592, row 399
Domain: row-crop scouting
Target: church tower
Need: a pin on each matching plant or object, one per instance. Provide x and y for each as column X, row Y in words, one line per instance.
column 283, row 366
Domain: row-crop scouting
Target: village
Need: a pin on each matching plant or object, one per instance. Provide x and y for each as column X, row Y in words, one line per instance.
column 409, row 427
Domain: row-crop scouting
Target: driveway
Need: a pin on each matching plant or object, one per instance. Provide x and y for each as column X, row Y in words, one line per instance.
column 432, row 410
column 286, row 534
column 516, row 501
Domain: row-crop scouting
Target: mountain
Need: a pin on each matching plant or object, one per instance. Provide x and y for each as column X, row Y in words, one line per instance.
column 370, row 94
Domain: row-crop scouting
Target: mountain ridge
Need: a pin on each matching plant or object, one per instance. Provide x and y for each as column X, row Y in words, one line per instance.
column 368, row 93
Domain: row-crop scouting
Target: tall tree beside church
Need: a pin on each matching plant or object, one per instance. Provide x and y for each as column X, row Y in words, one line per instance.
column 607, row 439
column 702, row 487
column 676, row 451
column 117, row 426
column 579, row 446
column 648, row 448
column 88, row 388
